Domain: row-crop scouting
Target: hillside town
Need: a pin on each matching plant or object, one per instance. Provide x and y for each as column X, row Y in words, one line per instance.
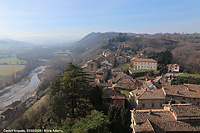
column 155, row 104
column 129, row 79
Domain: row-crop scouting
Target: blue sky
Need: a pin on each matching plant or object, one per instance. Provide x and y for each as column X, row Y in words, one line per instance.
column 73, row 19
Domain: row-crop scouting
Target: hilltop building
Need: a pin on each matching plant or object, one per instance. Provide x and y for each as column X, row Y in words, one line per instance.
column 143, row 64
column 173, row 68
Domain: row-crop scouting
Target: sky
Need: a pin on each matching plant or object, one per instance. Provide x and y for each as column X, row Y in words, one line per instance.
column 65, row 20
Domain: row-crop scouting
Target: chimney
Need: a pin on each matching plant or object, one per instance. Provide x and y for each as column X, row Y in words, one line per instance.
column 150, row 112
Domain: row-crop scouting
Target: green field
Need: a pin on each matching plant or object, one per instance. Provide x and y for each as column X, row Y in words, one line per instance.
column 65, row 53
column 10, row 69
column 192, row 75
column 125, row 92
column 12, row 61
column 124, row 66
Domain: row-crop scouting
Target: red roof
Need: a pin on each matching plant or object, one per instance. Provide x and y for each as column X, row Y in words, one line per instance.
column 144, row 60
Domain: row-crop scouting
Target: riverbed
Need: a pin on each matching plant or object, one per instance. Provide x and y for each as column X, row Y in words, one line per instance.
column 22, row 90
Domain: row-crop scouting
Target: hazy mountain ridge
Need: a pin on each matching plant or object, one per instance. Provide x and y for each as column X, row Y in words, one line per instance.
column 96, row 39
column 8, row 43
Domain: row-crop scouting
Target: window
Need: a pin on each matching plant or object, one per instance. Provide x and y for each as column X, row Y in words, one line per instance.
column 135, row 63
column 141, row 66
column 142, row 63
column 135, row 67
column 145, row 63
column 152, row 104
column 148, row 63
column 92, row 65
column 143, row 105
column 183, row 98
column 138, row 62
column 160, row 104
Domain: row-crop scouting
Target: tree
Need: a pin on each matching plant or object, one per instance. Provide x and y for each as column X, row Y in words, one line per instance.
column 70, row 93
column 96, row 96
column 120, row 119
column 97, row 122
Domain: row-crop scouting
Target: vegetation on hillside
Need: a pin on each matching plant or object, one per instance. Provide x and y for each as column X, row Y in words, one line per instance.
column 75, row 106
column 182, row 49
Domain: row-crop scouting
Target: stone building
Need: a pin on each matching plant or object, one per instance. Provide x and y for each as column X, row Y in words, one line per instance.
column 147, row 98
column 173, row 68
column 175, row 118
column 188, row 93
column 143, row 64
column 91, row 65
column 112, row 96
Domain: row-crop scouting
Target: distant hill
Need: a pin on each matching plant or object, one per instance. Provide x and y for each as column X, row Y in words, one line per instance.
column 185, row 47
column 95, row 39
column 91, row 43
column 8, row 44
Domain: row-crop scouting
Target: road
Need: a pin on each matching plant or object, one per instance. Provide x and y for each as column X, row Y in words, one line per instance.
column 21, row 90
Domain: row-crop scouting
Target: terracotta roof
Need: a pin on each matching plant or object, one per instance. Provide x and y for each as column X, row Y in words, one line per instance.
column 144, row 60
column 147, row 127
column 153, row 94
column 186, row 110
column 187, row 90
column 102, row 70
column 149, row 94
column 117, row 70
column 113, row 94
column 159, row 116
column 157, row 79
column 175, row 126
column 172, row 65
column 100, row 58
column 116, row 86
column 165, row 121
column 93, row 60
column 120, row 76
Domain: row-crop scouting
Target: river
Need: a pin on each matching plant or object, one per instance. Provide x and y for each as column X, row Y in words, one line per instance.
column 21, row 90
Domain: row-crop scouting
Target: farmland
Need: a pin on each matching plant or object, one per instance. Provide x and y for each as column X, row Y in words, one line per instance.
column 12, row 61
column 10, row 69
column 188, row 75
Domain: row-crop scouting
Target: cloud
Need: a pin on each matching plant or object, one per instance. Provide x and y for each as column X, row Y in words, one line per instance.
column 18, row 13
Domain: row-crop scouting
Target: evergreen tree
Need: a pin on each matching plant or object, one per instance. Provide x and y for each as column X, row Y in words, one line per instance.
column 120, row 120
column 70, row 94
column 97, row 122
